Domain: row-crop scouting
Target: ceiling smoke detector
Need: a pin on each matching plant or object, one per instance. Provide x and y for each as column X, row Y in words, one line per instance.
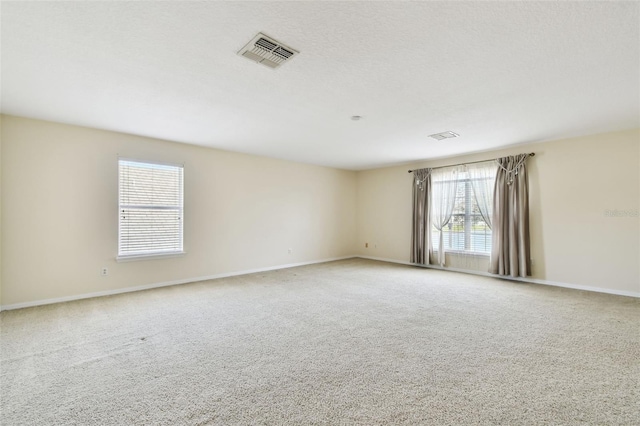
column 267, row 51
column 444, row 135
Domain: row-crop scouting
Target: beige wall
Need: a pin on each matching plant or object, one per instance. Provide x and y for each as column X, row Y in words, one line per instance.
column 242, row 212
column 59, row 211
column 572, row 183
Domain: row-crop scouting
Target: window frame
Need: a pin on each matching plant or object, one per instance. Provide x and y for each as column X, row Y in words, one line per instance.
column 468, row 223
column 157, row 254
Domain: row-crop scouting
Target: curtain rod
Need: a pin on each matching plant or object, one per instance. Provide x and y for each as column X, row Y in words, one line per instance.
column 531, row 154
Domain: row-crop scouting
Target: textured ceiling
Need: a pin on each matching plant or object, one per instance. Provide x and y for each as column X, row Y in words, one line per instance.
column 497, row 73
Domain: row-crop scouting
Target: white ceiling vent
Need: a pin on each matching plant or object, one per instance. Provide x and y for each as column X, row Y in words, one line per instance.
column 267, row 51
column 444, row 135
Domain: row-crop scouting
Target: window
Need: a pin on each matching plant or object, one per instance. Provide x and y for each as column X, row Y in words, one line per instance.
column 466, row 231
column 150, row 209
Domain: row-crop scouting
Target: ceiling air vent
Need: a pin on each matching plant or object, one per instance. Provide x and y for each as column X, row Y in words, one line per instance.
column 267, row 51
column 444, row 135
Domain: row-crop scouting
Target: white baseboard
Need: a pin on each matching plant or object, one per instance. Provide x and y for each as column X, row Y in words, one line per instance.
column 163, row 284
column 293, row 265
column 526, row 280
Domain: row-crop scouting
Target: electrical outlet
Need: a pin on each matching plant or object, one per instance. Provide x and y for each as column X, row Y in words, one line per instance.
column 375, row 245
column 290, row 251
column 104, row 271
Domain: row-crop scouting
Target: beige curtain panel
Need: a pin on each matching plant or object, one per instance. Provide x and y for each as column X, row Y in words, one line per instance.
column 510, row 253
column 421, row 224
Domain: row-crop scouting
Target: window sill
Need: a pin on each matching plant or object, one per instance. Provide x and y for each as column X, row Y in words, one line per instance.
column 133, row 258
column 466, row 253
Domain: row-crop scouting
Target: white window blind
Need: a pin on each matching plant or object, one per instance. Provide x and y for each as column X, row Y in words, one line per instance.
column 150, row 209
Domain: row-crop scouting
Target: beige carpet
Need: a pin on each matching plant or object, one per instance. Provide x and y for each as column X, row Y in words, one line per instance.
column 348, row 342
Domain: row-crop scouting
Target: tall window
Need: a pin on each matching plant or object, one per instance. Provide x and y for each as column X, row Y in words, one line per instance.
column 150, row 209
column 466, row 230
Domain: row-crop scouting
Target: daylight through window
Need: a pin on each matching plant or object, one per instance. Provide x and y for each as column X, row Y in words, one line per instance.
column 467, row 230
column 150, row 209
